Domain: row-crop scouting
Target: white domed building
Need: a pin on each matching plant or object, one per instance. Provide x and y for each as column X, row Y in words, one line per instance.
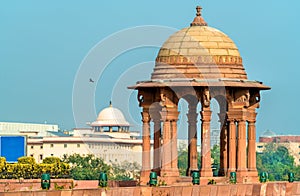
column 108, row 137
column 110, row 119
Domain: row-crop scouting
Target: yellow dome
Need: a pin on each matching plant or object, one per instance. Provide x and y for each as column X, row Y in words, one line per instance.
column 200, row 52
column 199, row 56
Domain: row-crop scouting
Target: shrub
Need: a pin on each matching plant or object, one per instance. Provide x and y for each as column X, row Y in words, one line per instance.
column 50, row 160
column 26, row 160
column 27, row 168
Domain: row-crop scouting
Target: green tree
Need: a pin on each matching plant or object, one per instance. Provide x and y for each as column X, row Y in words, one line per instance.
column 276, row 161
column 215, row 155
column 86, row 167
column 183, row 159
column 125, row 171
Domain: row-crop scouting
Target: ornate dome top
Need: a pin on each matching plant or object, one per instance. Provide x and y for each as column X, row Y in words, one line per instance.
column 110, row 116
column 199, row 52
column 199, row 55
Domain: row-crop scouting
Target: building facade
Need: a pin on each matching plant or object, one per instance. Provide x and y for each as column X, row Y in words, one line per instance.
column 29, row 129
column 291, row 142
column 108, row 138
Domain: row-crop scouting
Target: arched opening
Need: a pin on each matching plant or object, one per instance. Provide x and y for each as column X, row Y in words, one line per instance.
column 189, row 131
column 215, row 127
column 222, row 146
column 182, row 137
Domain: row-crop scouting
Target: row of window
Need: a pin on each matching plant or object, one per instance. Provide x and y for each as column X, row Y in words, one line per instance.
column 109, row 146
column 52, row 145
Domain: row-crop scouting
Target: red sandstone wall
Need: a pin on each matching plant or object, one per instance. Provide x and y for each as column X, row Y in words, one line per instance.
column 276, row 188
column 280, row 139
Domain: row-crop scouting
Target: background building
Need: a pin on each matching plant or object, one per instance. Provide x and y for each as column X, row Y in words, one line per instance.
column 291, row 142
column 108, row 138
column 29, row 129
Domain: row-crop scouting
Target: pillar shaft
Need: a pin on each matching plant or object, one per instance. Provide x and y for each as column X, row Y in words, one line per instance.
column 157, row 146
column 167, row 147
column 206, row 170
column 232, row 147
column 241, row 147
column 146, row 167
column 192, row 139
column 223, row 146
column 174, row 163
column 251, row 147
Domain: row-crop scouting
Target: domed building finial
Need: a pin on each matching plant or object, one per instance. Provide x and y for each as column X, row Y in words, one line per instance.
column 110, row 104
column 198, row 20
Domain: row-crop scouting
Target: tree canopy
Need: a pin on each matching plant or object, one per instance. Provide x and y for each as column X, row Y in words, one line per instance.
column 89, row 167
column 86, row 167
column 277, row 162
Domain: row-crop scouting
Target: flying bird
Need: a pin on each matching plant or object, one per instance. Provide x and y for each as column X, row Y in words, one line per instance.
column 91, row 80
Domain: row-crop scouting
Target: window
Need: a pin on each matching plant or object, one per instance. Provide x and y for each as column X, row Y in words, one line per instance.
column 51, row 145
column 259, row 146
column 31, row 155
column 41, row 157
column 31, row 147
column 51, row 155
column 65, row 145
column 41, row 147
column 78, row 145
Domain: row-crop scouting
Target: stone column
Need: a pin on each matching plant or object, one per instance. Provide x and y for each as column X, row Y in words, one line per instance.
column 157, row 146
column 174, row 163
column 166, row 148
column 146, row 167
column 223, row 145
column 205, row 170
column 169, row 167
column 241, row 148
column 232, row 147
column 252, row 147
column 192, row 140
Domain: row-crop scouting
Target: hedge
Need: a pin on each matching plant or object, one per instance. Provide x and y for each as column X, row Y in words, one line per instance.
column 27, row 168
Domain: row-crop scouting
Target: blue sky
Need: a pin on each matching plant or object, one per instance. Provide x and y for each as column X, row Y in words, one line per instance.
column 43, row 44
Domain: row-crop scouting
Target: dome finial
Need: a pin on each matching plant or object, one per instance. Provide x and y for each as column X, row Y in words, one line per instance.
column 198, row 20
column 110, row 104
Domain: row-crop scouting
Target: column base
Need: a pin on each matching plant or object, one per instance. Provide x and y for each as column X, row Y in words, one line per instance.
column 223, row 172
column 169, row 172
column 189, row 171
column 245, row 176
column 144, row 178
column 169, row 176
column 206, row 173
column 157, row 171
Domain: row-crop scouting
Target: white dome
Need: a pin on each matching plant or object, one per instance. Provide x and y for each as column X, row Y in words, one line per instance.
column 110, row 117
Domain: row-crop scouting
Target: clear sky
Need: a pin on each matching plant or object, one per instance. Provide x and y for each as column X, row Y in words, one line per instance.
column 43, row 45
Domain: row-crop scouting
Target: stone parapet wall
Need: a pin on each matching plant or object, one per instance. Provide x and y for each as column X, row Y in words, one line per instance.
column 271, row 188
column 280, row 139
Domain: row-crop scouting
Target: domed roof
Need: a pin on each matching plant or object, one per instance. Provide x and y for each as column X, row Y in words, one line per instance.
column 200, row 52
column 268, row 133
column 110, row 116
column 199, row 55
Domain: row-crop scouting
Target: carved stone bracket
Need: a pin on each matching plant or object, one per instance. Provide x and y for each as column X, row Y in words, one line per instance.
column 205, row 98
column 168, row 98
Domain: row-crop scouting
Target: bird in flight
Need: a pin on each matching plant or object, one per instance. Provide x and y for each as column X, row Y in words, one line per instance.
column 91, row 80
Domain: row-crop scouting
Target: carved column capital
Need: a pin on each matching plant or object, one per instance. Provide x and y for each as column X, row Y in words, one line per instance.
column 205, row 115
column 169, row 114
column 145, row 117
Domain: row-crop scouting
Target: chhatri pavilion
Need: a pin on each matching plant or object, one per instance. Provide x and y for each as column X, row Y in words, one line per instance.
column 199, row 63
